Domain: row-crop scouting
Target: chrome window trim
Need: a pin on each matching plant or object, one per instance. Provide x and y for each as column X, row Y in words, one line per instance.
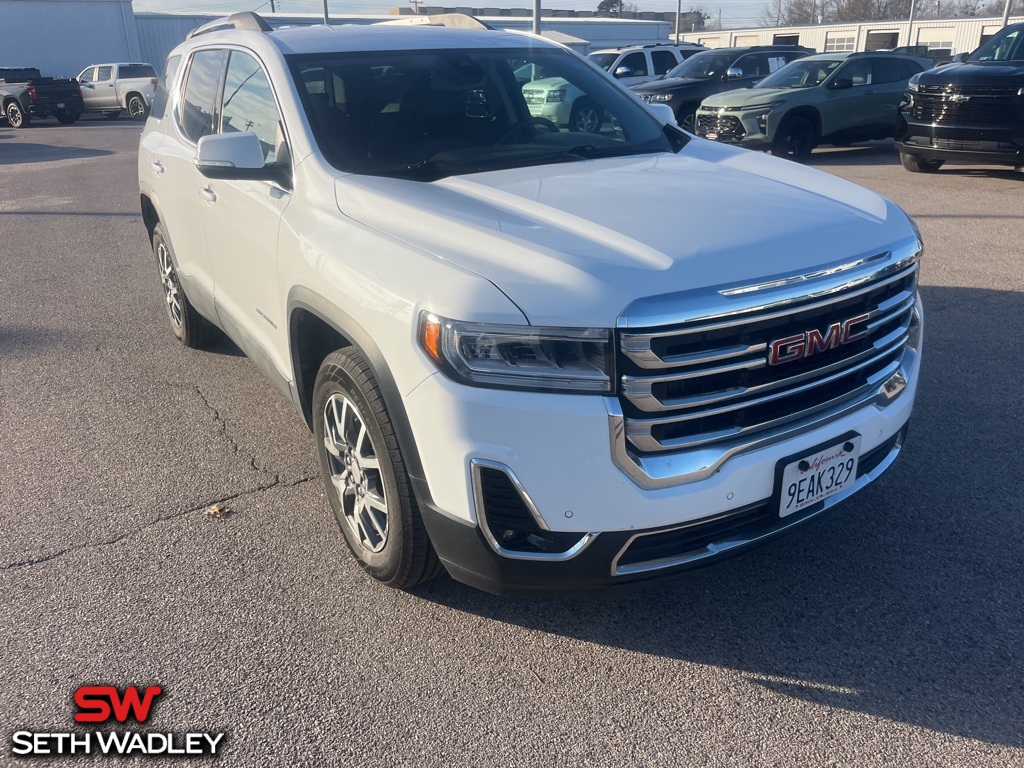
column 481, row 512
column 717, row 548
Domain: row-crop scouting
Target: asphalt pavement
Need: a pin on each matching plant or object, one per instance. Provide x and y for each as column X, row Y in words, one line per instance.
column 888, row 634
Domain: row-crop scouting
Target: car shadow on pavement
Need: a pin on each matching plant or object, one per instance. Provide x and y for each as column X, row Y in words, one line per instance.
column 907, row 603
column 17, row 154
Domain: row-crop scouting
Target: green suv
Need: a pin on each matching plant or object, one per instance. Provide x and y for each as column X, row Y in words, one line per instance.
column 831, row 98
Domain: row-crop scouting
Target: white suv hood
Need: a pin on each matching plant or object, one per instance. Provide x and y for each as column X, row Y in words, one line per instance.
column 573, row 244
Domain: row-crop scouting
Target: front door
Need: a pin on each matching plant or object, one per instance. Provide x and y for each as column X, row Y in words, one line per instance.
column 242, row 219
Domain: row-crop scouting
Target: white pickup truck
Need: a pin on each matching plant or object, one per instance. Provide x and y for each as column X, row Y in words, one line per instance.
column 112, row 88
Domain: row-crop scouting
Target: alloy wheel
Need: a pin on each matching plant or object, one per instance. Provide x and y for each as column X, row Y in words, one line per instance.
column 170, row 283
column 136, row 107
column 356, row 473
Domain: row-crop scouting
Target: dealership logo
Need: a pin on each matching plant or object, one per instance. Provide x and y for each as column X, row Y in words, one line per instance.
column 103, row 704
column 812, row 342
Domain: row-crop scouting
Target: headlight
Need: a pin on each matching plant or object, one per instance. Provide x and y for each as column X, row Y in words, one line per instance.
column 556, row 95
column 659, row 98
column 520, row 356
column 765, row 107
column 912, row 86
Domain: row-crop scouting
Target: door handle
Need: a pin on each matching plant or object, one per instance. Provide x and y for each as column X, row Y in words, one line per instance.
column 208, row 194
column 157, row 167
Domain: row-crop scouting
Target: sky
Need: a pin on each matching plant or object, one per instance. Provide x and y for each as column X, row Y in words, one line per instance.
column 735, row 13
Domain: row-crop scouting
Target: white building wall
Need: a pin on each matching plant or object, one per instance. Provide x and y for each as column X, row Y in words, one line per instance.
column 63, row 37
column 966, row 33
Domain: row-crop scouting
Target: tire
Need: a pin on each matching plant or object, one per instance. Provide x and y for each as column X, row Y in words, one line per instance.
column 686, row 117
column 916, row 164
column 113, row 115
column 192, row 329
column 795, row 139
column 67, row 118
column 16, row 115
column 137, row 107
column 586, row 117
column 365, row 475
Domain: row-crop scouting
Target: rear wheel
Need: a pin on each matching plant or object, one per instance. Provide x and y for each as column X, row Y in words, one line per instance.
column 916, row 164
column 137, row 107
column 586, row 117
column 795, row 139
column 17, row 117
column 364, row 471
column 191, row 328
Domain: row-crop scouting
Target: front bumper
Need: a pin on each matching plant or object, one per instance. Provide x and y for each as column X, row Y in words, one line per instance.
column 557, row 112
column 749, row 129
column 558, row 451
column 999, row 144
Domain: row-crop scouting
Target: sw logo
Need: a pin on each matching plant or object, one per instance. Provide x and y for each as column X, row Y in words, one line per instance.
column 96, row 703
column 105, row 703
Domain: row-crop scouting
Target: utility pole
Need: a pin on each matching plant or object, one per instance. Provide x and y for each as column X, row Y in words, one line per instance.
column 536, row 17
column 415, row 5
column 910, row 24
column 327, row 17
column 272, row 8
column 679, row 14
column 1006, row 12
column 719, row 19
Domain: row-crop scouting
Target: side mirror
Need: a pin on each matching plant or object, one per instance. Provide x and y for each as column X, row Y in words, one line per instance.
column 961, row 57
column 664, row 113
column 232, row 156
column 840, row 85
column 733, row 72
column 623, row 72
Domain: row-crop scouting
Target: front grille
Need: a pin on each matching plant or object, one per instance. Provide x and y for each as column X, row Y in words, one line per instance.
column 983, row 106
column 709, row 381
column 725, row 127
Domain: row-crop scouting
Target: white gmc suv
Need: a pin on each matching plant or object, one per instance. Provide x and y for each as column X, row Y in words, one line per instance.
column 539, row 359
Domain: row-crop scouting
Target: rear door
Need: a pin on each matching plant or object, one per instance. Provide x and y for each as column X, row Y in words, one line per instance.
column 663, row 60
column 889, row 77
column 854, row 108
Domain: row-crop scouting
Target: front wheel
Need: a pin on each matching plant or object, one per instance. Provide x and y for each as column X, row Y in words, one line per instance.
column 586, row 117
column 687, row 118
column 137, row 107
column 16, row 115
column 795, row 139
column 916, row 164
column 367, row 483
column 67, row 118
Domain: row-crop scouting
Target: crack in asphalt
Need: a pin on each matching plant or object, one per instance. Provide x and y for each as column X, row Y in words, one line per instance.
column 220, row 420
column 156, row 521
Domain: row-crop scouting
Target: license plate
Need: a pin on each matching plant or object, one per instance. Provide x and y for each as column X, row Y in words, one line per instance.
column 819, row 475
column 711, row 136
column 60, row 106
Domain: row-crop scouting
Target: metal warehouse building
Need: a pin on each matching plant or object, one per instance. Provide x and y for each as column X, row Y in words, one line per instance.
column 82, row 32
column 958, row 35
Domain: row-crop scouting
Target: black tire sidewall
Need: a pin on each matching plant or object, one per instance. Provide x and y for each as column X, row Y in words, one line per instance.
column 335, row 377
column 145, row 110
column 160, row 238
column 780, row 145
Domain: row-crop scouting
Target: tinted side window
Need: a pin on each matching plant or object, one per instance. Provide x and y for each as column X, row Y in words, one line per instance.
column 636, row 62
column 196, row 107
column 910, row 68
column 103, row 74
column 750, row 64
column 887, row 71
column 129, row 72
column 88, row 76
column 663, row 61
column 249, row 104
column 858, row 72
column 160, row 97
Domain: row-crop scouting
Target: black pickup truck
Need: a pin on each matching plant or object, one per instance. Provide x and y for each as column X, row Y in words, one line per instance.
column 971, row 110
column 25, row 94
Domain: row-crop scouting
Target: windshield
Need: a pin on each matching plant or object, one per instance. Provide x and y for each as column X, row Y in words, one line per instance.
column 802, row 73
column 429, row 114
column 603, row 60
column 706, row 64
column 1008, row 45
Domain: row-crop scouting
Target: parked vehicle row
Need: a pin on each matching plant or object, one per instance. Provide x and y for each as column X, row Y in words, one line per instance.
column 25, row 94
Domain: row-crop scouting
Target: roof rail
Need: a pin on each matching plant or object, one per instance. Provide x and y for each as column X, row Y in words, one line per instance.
column 451, row 20
column 242, row 20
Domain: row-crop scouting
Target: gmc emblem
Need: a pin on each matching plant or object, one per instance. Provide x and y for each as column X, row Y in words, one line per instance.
column 812, row 342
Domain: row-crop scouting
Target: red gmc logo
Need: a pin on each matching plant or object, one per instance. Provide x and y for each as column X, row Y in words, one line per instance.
column 814, row 341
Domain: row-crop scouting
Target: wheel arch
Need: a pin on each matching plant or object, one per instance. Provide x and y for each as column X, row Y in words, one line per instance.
column 805, row 111
column 316, row 328
column 150, row 214
column 128, row 97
